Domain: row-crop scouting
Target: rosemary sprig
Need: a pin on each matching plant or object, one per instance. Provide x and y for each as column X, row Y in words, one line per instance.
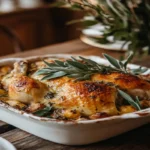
column 84, row 68
column 135, row 103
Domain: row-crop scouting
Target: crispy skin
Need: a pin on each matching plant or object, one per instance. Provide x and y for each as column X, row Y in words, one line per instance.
column 4, row 70
column 124, row 81
column 84, row 97
column 132, row 84
column 93, row 99
column 26, row 90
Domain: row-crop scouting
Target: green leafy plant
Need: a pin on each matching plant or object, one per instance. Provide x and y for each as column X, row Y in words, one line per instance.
column 126, row 20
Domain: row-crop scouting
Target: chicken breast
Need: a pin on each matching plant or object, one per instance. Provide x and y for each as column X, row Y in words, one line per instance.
column 130, row 83
column 83, row 98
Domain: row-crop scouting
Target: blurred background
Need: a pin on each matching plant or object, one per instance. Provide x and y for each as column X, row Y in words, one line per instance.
column 28, row 24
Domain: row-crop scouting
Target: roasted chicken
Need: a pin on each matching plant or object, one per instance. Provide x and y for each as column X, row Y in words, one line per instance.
column 94, row 98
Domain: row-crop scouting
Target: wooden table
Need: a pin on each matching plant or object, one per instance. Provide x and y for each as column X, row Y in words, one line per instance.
column 137, row 139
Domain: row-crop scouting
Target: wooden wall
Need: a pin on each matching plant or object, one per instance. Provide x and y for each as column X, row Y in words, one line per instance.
column 38, row 27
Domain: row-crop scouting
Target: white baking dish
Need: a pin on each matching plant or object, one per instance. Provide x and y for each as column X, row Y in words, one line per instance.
column 72, row 132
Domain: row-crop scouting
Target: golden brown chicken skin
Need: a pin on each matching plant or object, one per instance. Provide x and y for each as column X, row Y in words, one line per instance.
column 4, row 70
column 72, row 100
column 84, row 98
column 26, row 90
column 130, row 83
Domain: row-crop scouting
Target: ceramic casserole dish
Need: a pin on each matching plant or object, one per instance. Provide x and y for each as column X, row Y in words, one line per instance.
column 78, row 132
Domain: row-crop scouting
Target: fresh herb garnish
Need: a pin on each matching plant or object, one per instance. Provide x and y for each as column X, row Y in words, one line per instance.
column 135, row 103
column 43, row 112
column 84, row 68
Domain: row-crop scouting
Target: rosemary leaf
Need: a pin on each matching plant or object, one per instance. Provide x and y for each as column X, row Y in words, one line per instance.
column 54, row 75
column 77, row 64
column 75, row 75
column 129, row 99
column 121, row 64
column 129, row 58
column 43, row 71
column 50, row 64
column 88, row 61
column 43, row 112
column 60, row 63
column 112, row 61
column 138, row 70
column 137, row 101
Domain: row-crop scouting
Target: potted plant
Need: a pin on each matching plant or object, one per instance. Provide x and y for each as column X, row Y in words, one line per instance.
column 126, row 20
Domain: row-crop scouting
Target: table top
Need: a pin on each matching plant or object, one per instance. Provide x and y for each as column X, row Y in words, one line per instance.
column 137, row 139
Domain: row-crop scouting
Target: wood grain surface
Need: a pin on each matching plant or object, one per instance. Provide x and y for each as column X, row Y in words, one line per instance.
column 137, row 139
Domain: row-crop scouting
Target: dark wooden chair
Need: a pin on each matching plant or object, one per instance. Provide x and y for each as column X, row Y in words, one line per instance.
column 17, row 44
